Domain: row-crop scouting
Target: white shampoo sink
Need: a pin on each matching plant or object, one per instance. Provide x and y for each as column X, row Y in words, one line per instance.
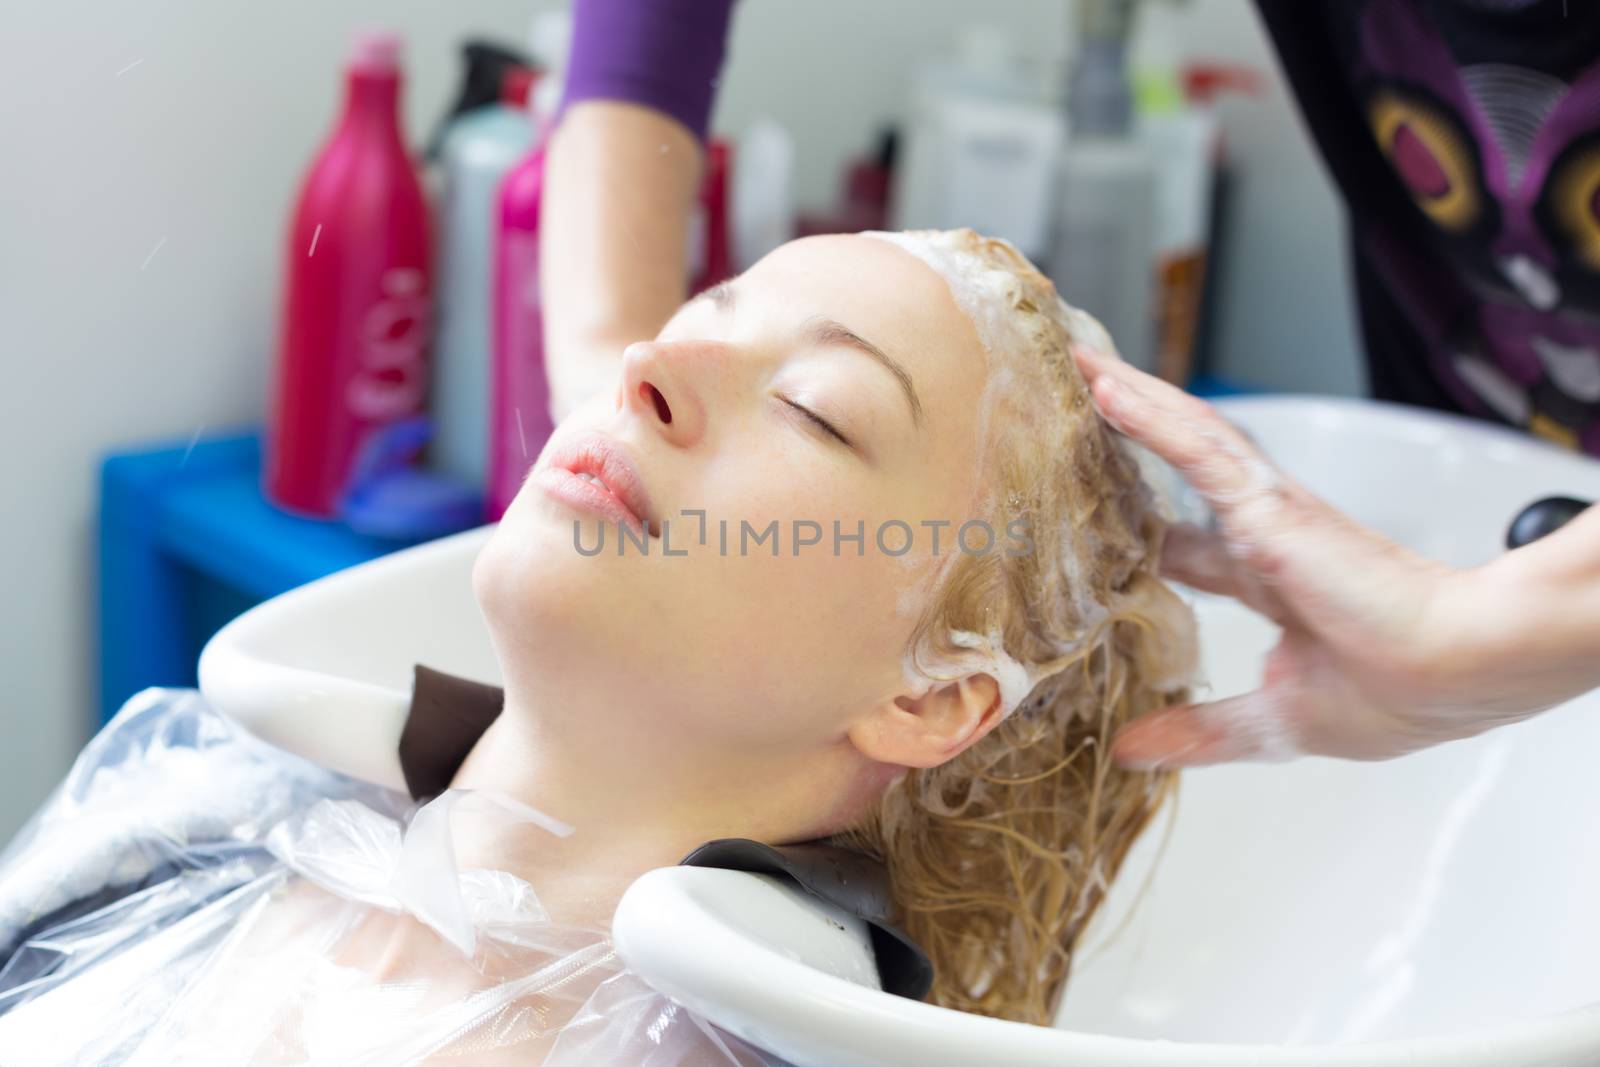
column 1438, row 910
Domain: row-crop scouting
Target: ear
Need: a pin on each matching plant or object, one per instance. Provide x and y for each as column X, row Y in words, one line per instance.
column 927, row 728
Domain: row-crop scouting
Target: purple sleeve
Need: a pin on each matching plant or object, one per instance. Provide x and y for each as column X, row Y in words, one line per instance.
column 664, row 54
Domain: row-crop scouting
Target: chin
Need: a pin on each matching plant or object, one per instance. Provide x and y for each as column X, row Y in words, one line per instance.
column 549, row 609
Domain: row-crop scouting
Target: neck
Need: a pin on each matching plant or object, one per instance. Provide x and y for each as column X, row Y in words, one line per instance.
column 635, row 802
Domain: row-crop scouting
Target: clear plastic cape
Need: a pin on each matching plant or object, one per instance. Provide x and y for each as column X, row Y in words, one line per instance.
column 192, row 895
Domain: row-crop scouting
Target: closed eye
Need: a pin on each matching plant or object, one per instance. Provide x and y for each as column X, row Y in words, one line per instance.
column 824, row 424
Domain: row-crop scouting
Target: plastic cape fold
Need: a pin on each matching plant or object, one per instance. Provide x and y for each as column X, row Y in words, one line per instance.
column 192, row 895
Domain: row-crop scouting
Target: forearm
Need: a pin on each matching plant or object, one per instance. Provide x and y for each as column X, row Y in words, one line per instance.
column 620, row 181
column 1531, row 618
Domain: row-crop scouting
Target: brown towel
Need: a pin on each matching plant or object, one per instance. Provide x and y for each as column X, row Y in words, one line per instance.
column 447, row 716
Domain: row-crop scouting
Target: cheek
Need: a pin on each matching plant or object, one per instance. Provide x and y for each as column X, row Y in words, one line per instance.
column 808, row 631
column 828, row 616
column 789, row 646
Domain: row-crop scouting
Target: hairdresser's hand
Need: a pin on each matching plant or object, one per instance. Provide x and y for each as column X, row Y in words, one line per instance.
column 1383, row 652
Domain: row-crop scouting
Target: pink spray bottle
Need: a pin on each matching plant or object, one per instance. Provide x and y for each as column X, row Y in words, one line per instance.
column 519, row 417
column 519, row 406
column 357, row 303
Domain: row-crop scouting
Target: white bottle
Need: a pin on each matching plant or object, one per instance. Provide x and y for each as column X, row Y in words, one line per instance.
column 1185, row 139
column 1102, row 257
column 763, row 191
column 1104, row 237
column 981, row 148
column 478, row 149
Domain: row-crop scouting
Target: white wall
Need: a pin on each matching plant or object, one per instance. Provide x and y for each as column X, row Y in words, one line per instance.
column 148, row 154
column 150, row 151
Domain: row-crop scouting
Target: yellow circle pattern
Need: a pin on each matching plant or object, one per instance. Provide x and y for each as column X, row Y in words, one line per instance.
column 1457, row 207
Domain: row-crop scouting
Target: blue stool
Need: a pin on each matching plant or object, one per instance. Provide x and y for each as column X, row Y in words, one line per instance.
column 188, row 541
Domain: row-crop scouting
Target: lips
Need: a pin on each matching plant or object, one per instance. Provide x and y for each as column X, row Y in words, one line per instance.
column 595, row 473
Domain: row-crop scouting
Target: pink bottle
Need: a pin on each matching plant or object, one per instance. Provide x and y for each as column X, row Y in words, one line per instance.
column 353, row 346
column 519, row 416
column 712, row 261
column 519, row 393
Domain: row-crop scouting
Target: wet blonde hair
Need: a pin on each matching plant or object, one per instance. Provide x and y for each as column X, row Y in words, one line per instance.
column 999, row 857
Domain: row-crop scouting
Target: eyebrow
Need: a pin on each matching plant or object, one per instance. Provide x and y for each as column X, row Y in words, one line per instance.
column 828, row 332
column 825, row 331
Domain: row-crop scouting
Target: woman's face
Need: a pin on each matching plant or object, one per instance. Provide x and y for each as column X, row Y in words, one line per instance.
column 753, row 637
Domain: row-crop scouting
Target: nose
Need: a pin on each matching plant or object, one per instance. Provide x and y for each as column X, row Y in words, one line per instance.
column 668, row 384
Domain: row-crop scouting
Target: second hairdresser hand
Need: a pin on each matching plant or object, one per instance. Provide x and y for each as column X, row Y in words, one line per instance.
column 1383, row 651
